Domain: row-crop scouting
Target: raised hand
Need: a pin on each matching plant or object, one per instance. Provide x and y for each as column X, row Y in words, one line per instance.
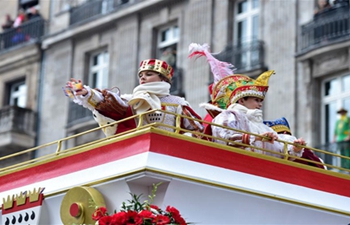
column 299, row 141
column 268, row 137
column 76, row 86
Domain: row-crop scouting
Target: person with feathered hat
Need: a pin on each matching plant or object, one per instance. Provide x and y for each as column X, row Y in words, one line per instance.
column 236, row 103
column 153, row 92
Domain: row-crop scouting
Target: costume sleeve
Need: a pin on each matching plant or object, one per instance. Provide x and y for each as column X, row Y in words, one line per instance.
column 188, row 123
column 90, row 100
column 230, row 120
column 227, row 119
column 106, row 102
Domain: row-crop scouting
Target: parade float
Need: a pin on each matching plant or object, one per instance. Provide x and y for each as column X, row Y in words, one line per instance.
column 182, row 173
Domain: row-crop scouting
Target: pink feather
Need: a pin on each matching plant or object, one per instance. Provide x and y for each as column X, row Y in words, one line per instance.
column 218, row 68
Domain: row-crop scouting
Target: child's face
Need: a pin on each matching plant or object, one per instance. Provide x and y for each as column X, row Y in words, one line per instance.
column 251, row 102
column 149, row 76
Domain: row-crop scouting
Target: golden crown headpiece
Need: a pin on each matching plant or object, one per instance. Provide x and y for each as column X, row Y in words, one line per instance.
column 231, row 88
column 159, row 66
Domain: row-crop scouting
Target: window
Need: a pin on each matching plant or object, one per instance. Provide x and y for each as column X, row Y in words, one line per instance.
column 98, row 74
column 336, row 95
column 246, row 32
column 17, row 93
column 167, row 44
column 168, row 38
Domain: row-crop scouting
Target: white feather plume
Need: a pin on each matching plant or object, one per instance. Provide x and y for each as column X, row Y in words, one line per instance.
column 219, row 69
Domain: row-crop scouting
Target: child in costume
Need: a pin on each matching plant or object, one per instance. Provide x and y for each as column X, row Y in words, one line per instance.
column 281, row 126
column 153, row 92
column 236, row 103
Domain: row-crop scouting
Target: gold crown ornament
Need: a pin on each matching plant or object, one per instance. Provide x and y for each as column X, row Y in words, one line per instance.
column 231, row 88
column 159, row 66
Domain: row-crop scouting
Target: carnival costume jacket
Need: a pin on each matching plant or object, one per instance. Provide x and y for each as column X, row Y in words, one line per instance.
column 240, row 118
column 108, row 107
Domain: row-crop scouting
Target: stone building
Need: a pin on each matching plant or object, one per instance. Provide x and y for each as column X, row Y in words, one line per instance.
column 102, row 42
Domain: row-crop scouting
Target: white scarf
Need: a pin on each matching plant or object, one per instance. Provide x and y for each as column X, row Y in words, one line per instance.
column 146, row 96
column 254, row 117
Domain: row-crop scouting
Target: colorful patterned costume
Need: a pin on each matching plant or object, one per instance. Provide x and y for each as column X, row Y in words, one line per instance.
column 227, row 89
column 108, row 106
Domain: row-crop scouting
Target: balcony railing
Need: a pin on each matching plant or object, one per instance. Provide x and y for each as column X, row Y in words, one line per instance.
column 205, row 139
column 28, row 31
column 245, row 56
column 95, row 8
column 328, row 27
column 16, row 119
column 334, row 149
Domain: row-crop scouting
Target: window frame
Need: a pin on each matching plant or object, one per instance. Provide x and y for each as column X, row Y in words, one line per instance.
column 248, row 16
column 102, row 81
column 14, row 94
column 338, row 100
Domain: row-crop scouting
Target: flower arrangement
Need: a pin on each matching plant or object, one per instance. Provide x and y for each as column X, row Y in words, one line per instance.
column 137, row 213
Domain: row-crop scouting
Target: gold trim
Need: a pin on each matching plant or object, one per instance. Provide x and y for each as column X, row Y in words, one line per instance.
column 91, row 100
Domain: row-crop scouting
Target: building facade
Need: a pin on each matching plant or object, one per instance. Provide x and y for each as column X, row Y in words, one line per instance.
column 102, row 42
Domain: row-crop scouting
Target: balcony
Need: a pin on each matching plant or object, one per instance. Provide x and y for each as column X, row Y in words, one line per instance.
column 17, row 129
column 328, row 27
column 245, row 56
column 94, row 9
column 29, row 31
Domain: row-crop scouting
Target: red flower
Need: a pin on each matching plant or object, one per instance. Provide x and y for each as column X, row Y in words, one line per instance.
column 172, row 210
column 99, row 212
column 119, row 218
column 161, row 220
column 176, row 215
column 146, row 214
column 105, row 220
column 133, row 218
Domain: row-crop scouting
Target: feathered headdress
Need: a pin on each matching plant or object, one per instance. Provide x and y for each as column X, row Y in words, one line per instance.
column 218, row 68
column 228, row 87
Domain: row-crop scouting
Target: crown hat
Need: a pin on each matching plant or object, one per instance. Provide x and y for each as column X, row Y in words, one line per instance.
column 234, row 87
column 279, row 125
column 159, row 66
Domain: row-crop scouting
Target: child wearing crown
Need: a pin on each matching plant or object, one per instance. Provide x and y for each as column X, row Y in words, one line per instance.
column 153, row 92
column 236, row 103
